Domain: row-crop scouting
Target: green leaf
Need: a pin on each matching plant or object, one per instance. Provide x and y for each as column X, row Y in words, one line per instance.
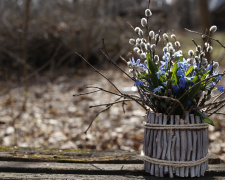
column 174, row 71
column 204, row 117
column 189, row 70
column 152, row 70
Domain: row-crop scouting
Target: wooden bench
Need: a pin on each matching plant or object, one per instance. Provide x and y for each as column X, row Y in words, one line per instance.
column 36, row 163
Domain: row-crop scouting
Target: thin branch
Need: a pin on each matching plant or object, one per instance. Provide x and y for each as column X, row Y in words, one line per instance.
column 106, row 54
column 112, row 103
column 99, row 72
column 95, row 117
column 81, row 94
column 206, row 36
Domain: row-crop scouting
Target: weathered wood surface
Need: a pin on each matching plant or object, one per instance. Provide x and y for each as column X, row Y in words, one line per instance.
column 30, row 163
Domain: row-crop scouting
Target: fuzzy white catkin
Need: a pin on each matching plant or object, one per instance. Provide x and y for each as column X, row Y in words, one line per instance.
column 143, row 22
column 209, row 49
column 148, row 47
column 132, row 41
column 171, row 49
column 148, row 13
column 152, row 34
column 165, row 49
column 165, row 36
column 191, row 53
column 177, row 44
column 140, row 33
column 138, row 41
column 142, row 46
column 157, row 37
column 143, row 55
column 173, row 36
column 213, row 29
column 137, row 29
column 215, row 65
column 153, row 47
column 136, row 49
column 156, row 58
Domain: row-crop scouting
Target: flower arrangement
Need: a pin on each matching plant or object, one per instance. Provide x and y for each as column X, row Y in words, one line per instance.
column 174, row 83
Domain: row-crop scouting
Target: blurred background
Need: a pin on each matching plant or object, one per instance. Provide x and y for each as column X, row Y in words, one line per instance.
column 39, row 71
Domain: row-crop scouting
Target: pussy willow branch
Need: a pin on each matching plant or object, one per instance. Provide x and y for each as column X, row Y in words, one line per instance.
column 106, row 54
column 206, row 36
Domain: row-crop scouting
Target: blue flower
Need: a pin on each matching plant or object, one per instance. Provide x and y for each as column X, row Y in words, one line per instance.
column 160, row 73
column 158, row 89
column 175, row 89
column 180, row 72
column 220, row 88
column 212, row 84
column 178, row 54
column 182, row 82
column 138, row 83
column 209, row 67
column 218, row 78
column 192, row 83
column 189, row 103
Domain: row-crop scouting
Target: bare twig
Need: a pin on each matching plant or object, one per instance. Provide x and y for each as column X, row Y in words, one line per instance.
column 112, row 103
column 206, row 36
column 99, row 72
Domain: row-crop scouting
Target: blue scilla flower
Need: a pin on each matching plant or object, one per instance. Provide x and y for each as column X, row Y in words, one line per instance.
column 192, row 83
column 138, row 83
column 180, row 72
column 182, row 82
column 212, row 84
column 218, row 78
column 159, row 73
column 220, row 88
column 158, row 89
column 178, row 54
column 175, row 89
column 189, row 103
column 209, row 67
column 137, row 63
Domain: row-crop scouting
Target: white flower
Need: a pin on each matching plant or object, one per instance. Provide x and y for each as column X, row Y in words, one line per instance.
column 148, row 13
column 143, row 22
column 132, row 41
column 213, row 29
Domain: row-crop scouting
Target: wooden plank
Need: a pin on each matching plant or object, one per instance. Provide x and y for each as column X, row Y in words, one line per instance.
column 87, row 177
column 88, row 169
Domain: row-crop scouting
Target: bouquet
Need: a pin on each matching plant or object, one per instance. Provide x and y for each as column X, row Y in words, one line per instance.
column 172, row 84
